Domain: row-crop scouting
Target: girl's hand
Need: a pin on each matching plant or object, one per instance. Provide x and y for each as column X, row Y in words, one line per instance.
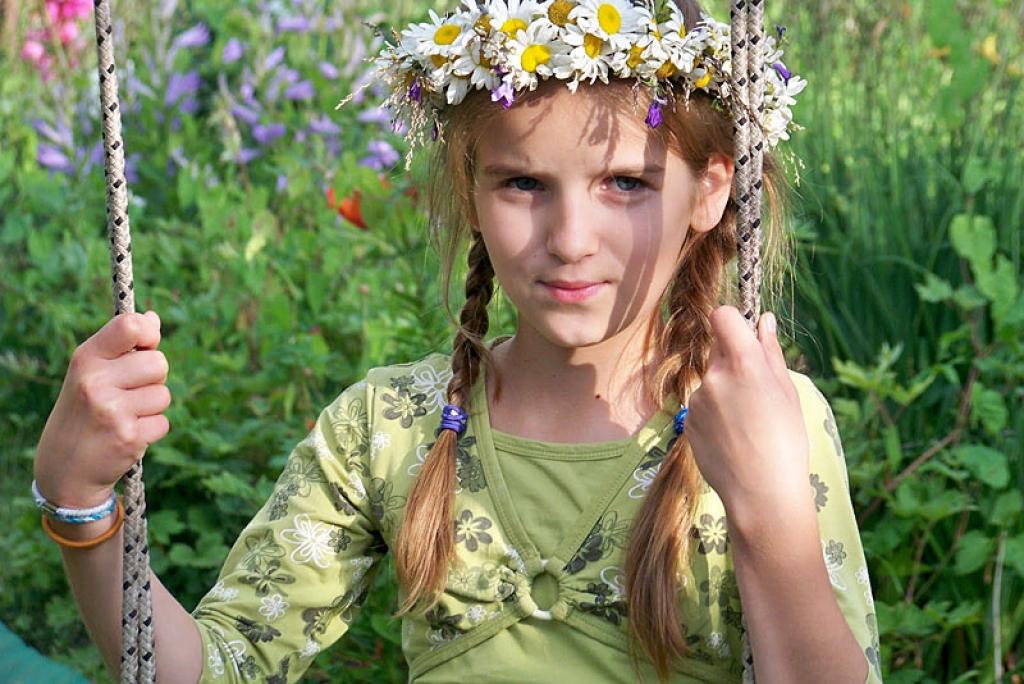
column 745, row 424
column 108, row 412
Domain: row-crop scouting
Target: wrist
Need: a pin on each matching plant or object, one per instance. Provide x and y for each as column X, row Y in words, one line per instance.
column 755, row 521
column 72, row 497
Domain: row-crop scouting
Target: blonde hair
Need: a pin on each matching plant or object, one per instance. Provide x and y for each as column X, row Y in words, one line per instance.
column 680, row 334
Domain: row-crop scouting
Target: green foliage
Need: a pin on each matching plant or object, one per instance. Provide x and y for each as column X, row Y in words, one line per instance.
column 908, row 278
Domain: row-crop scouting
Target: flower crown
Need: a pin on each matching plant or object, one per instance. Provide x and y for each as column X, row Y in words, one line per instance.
column 508, row 46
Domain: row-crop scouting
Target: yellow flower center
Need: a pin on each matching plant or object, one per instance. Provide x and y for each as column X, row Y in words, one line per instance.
column 511, row 26
column 558, row 12
column 483, row 24
column 446, row 34
column 704, row 80
column 592, row 45
column 635, row 57
column 609, row 19
column 438, row 61
column 666, row 70
column 534, row 56
column 484, row 62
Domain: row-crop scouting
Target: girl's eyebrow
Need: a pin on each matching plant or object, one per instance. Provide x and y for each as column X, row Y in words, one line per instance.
column 510, row 170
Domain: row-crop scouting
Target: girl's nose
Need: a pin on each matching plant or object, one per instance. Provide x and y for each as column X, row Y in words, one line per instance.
column 572, row 233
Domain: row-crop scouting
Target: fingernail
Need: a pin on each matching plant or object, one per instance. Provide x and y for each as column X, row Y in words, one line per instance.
column 770, row 322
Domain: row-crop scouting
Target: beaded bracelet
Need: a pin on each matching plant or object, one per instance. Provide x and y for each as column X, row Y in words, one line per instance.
column 74, row 516
column 85, row 543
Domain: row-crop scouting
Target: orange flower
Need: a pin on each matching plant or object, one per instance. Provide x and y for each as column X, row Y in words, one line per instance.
column 348, row 208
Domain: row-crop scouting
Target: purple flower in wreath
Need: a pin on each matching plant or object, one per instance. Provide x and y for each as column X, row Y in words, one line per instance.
column 654, row 118
column 504, row 94
column 785, row 73
column 415, row 93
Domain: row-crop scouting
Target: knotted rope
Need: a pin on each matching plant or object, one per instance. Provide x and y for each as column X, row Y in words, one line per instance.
column 138, row 663
column 747, row 32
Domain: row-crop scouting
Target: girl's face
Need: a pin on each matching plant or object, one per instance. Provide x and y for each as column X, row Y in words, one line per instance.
column 583, row 213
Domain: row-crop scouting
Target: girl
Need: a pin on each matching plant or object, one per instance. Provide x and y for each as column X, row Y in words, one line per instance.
column 633, row 485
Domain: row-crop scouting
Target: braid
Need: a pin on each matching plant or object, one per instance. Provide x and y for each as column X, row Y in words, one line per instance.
column 657, row 546
column 425, row 542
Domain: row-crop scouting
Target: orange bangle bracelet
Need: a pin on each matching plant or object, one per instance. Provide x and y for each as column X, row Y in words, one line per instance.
column 86, row 543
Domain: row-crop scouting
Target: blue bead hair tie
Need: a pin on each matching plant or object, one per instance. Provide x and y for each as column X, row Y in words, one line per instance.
column 453, row 418
column 680, row 420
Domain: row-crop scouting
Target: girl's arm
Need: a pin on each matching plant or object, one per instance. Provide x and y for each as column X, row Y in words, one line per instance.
column 95, row 578
column 801, row 570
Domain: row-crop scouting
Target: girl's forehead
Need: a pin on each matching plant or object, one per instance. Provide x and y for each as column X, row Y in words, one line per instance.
column 563, row 127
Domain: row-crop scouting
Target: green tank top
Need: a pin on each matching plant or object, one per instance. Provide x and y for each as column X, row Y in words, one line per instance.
column 540, row 529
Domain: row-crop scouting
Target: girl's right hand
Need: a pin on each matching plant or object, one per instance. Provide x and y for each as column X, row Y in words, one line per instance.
column 108, row 412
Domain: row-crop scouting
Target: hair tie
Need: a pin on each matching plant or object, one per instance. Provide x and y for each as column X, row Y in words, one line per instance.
column 453, row 418
column 680, row 420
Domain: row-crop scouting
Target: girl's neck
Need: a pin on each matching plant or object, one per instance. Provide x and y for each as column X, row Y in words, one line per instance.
column 583, row 394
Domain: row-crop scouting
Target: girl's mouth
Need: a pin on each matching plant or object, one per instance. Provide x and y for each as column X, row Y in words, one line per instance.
column 572, row 291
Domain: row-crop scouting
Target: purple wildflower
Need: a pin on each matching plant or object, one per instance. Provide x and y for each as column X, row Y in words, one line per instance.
column 60, row 135
column 382, row 155
column 780, row 31
column 293, row 24
column 328, row 71
column 52, row 158
column 504, row 93
column 303, row 90
column 245, row 114
column 189, row 105
column 282, row 183
column 273, row 59
column 322, row 125
column 415, row 93
column 233, row 51
column 267, row 134
column 179, row 85
column 783, row 71
column 378, row 115
column 197, row 36
column 654, row 117
column 246, row 155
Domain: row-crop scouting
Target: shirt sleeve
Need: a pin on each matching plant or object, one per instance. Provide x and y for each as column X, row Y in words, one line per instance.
column 839, row 535
column 298, row 572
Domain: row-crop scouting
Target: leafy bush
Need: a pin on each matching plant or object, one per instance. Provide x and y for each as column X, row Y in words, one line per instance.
column 285, row 254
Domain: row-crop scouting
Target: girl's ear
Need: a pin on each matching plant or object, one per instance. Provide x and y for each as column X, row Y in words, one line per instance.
column 713, row 193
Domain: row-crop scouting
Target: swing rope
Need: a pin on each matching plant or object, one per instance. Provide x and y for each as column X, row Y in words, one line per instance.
column 138, row 662
column 747, row 34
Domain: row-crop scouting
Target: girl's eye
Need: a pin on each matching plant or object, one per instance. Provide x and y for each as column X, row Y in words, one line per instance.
column 512, row 182
column 632, row 183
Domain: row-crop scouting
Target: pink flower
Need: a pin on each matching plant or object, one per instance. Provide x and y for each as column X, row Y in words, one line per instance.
column 33, row 51
column 68, row 32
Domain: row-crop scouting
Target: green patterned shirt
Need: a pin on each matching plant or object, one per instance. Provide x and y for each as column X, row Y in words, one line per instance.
column 540, row 532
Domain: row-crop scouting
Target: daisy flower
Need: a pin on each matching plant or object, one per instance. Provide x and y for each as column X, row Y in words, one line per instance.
column 442, row 35
column 589, row 57
column 475, row 66
column 535, row 52
column 512, row 16
column 616, row 21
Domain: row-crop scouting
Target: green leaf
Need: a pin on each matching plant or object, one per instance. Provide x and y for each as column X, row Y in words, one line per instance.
column 987, row 464
column 999, row 285
column 976, row 175
column 934, row 289
column 974, row 238
column 944, row 504
column 893, row 449
column 974, row 550
column 967, row 298
column 988, row 408
column 1007, row 508
column 1014, row 550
